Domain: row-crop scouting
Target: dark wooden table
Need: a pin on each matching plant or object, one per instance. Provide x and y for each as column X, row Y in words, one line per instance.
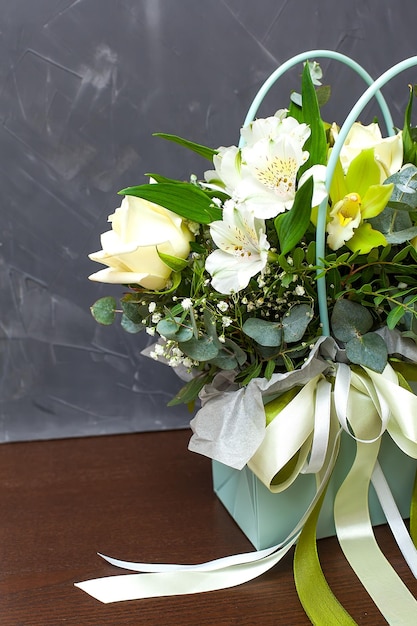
column 140, row 497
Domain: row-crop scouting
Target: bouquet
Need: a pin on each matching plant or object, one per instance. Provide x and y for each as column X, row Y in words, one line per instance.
column 282, row 278
column 225, row 271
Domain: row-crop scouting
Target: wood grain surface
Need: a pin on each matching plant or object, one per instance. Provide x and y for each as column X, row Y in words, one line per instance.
column 140, row 497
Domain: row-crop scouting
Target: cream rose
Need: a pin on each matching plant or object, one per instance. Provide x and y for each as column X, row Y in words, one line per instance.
column 139, row 229
column 388, row 151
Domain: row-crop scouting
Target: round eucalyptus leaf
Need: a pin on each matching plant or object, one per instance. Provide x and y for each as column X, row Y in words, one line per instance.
column 263, row 332
column 202, row 349
column 129, row 326
column 369, row 350
column 350, row 319
column 173, row 328
column 104, row 310
column 295, row 323
column 229, row 356
column 134, row 311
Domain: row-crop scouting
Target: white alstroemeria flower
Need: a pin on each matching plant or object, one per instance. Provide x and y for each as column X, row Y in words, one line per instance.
column 262, row 175
column 242, row 249
column 271, row 127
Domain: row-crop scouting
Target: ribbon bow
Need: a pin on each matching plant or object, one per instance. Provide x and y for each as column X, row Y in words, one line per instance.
column 302, row 438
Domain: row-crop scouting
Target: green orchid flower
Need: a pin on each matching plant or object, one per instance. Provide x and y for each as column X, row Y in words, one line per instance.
column 356, row 197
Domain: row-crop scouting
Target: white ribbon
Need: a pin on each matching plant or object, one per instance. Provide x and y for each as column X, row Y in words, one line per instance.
column 306, row 427
column 172, row 579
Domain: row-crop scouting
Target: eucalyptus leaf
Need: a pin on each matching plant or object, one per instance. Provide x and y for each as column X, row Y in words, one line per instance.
column 104, row 310
column 202, row 349
column 129, row 326
column 368, row 350
column 265, row 333
column 295, row 323
column 229, row 357
column 174, row 328
column 350, row 319
column 401, row 236
column 133, row 310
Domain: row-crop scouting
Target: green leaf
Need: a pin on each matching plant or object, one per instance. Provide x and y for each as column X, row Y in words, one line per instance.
column 395, row 316
column 210, row 326
column 316, row 144
column 104, row 310
column 269, row 369
column 174, row 263
column 263, row 332
column 401, row 236
column 253, row 371
column 133, row 310
column 350, row 319
column 409, row 145
column 202, row 349
column 190, row 391
column 292, row 224
column 207, row 153
column 368, row 350
column 129, row 326
column 229, row 356
column 174, row 328
column 185, row 199
column 294, row 323
column 323, row 94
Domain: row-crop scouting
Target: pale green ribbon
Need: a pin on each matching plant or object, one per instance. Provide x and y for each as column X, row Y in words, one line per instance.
column 364, row 404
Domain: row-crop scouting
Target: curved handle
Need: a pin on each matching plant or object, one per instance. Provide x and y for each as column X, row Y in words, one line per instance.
column 372, row 91
column 313, row 54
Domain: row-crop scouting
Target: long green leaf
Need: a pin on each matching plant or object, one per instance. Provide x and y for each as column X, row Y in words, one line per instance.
column 409, row 145
column 207, row 153
column 316, row 143
column 292, row 225
column 184, row 199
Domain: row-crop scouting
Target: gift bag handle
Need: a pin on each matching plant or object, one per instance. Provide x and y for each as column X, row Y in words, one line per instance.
column 372, row 91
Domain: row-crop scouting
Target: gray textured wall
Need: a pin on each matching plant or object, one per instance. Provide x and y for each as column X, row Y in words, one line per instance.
column 83, row 84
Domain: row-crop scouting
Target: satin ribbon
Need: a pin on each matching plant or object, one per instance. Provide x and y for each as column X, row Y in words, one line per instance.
column 172, row 579
column 365, row 404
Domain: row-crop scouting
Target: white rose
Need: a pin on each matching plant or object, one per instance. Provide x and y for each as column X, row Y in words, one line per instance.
column 388, row 151
column 139, row 228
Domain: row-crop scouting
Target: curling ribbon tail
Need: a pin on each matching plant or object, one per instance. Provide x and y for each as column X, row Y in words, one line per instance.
column 319, row 602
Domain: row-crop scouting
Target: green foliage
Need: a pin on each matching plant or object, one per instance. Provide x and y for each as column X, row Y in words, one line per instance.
column 409, row 132
column 263, row 332
column 269, row 325
column 292, row 225
column 206, row 153
column 295, row 322
column 104, row 310
column 185, row 199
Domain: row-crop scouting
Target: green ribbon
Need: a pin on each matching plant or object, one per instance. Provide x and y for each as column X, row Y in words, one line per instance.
column 413, row 513
column 319, row 602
